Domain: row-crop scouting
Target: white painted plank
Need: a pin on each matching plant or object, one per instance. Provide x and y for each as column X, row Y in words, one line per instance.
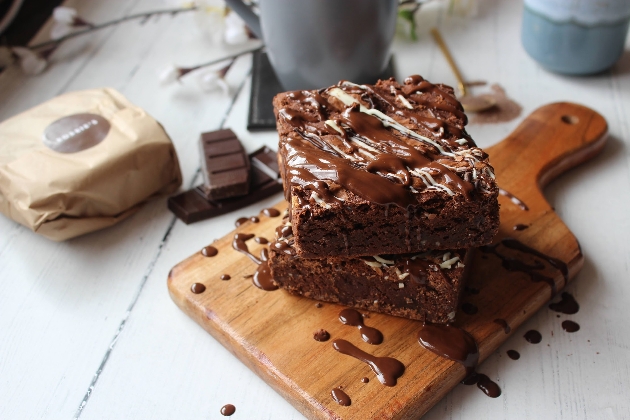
column 62, row 304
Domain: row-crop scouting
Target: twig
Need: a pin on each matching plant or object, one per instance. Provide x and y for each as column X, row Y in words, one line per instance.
column 144, row 15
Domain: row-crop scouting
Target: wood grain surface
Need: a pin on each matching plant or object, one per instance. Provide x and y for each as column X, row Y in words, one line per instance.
column 272, row 332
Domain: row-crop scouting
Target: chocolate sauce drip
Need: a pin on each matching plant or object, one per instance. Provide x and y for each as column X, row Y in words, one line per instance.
column 365, row 379
column 283, row 247
column 387, row 369
column 418, row 269
column 567, row 304
column 209, row 251
column 354, row 318
column 533, row 336
column 228, row 410
column 340, row 397
column 240, row 221
column 520, row 226
column 469, row 308
column 514, row 199
column 284, row 231
column 261, row 240
column 197, row 288
column 262, row 277
column 225, row 277
column 318, row 305
column 513, row 264
column 452, row 343
column 321, row 335
column 570, row 326
column 513, row 354
column 271, row 212
column 254, row 219
column 503, row 323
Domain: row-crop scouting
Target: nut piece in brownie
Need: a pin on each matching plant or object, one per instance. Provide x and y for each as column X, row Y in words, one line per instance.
column 383, row 169
column 425, row 286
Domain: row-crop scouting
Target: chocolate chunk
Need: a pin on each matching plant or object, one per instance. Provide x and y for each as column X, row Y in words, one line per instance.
column 192, row 206
column 224, row 165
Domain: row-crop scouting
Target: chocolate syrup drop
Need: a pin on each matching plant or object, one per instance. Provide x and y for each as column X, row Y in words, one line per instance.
column 489, row 387
column 513, row 354
column 469, row 308
column 340, row 397
column 261, row 240
column 570, row 326
column 452, row 343
column 354, row 318
column 197, row 288
column 567, row 304
column 318, row 305
column 520, row 226
column 254, row 219
column 365, row 379
column 209, row 251
column 271, row 212
column 387, row 369
column 513, row 199
column 228, row 410
column 321, row 335
column 240, row 221
column 533, row 336
column 225, row 277
column 503, row 323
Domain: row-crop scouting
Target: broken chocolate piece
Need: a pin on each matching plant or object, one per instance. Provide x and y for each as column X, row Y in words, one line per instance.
column 192, row 206
column 224, row 165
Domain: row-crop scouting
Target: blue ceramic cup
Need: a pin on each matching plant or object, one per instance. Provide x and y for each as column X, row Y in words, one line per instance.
column 575, row 37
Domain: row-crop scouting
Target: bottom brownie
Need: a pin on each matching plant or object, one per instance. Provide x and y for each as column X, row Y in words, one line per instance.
column 423, row 286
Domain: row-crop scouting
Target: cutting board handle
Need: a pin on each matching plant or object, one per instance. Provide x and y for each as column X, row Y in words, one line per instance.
column 548, row 142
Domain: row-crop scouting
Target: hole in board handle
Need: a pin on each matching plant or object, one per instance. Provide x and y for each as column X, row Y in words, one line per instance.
column 570, row 119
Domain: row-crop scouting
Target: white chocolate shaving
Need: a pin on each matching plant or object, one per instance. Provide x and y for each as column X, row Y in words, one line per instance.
column 461, row 141
column 448, row 263
column 401, row 285
column 404, row 101
column 373, row 263
column 446, row 256
column 335, row 127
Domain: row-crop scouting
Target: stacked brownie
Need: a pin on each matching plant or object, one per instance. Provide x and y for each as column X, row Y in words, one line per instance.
column 386, row 194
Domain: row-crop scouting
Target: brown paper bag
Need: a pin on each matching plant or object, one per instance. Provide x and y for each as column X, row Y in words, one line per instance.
column 81, row 162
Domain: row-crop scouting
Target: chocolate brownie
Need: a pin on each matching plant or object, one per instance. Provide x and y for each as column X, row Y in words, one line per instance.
column 383, row 169
column 424, row 286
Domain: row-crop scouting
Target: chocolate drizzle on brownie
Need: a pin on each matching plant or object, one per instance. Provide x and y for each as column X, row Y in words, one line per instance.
column 353, row 318
column 387, row 369
column 344, row 136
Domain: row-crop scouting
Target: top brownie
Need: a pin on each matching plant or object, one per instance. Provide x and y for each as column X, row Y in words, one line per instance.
column 385, row 168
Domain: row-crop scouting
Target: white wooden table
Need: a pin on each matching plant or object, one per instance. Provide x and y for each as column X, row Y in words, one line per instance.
column 87, row 328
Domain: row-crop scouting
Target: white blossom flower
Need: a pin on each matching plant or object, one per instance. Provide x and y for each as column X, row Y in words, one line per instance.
column 211, row 80
column 235, row 30
column 59, row 30
column 170, row 74
column 30, row 61
column 65, row 15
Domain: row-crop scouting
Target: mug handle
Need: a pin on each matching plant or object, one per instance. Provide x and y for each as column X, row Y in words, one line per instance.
column 245, row 12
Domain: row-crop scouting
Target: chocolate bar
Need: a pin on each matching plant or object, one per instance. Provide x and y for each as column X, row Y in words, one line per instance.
column 192, row 206
column 224, row 165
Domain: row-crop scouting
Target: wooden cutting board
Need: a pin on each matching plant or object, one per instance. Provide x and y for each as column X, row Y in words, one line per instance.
column 272, row 332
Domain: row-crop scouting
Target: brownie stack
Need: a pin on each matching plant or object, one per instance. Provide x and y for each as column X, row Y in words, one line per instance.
column 387, row 193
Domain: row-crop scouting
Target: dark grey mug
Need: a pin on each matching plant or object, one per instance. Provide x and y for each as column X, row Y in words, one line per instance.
column 315, row 43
